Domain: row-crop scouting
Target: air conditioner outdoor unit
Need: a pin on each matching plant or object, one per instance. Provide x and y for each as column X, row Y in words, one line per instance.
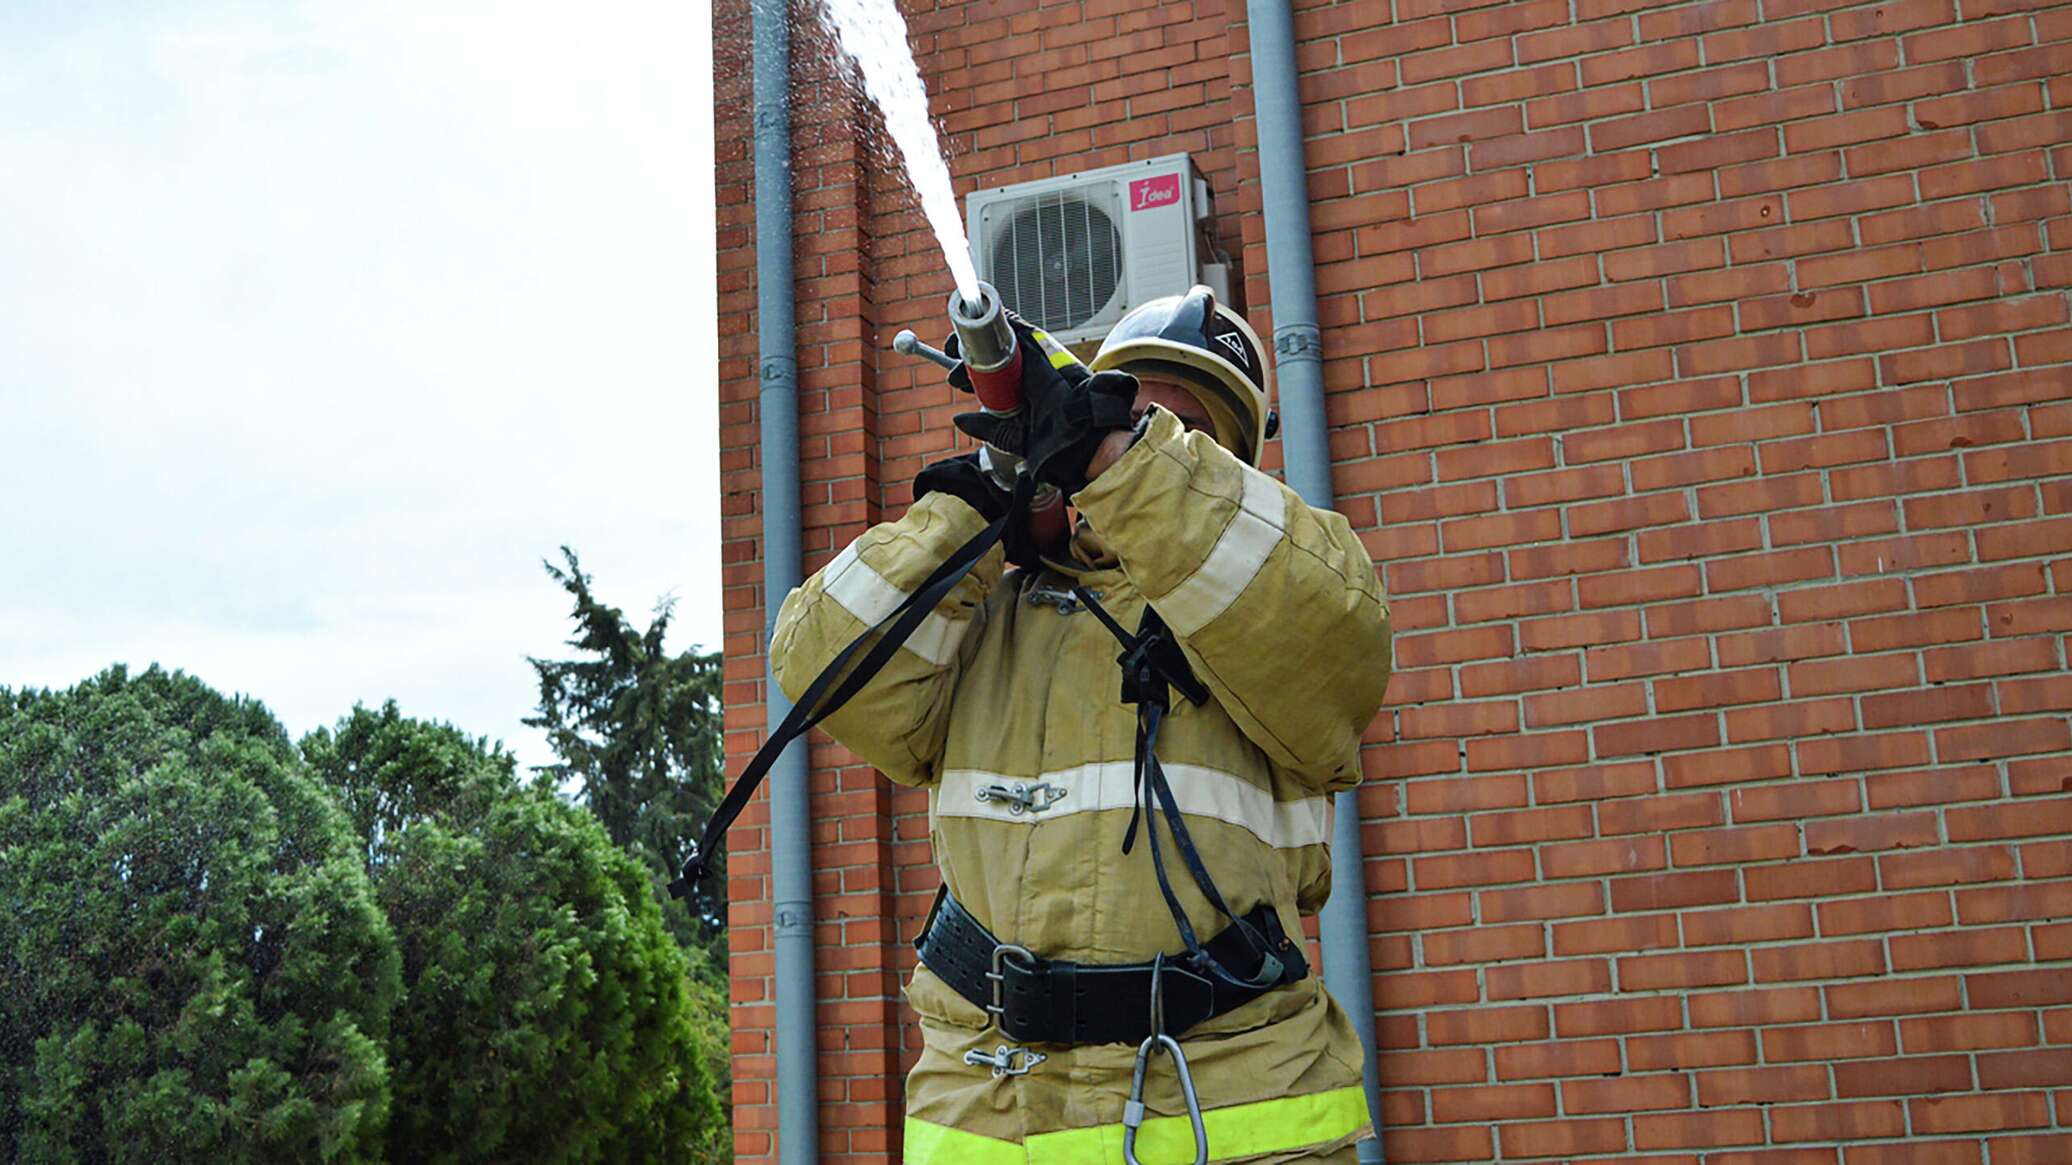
column 1072, row 254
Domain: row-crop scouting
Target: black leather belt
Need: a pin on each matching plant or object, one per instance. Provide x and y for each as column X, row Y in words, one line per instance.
column 1051, row 1001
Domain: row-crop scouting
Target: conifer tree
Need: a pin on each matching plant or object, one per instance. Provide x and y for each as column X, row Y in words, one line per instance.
column 639, row 734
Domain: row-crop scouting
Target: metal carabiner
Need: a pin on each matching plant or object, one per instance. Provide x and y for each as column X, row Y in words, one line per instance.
column 1158, row 1040
column 1133, row 1112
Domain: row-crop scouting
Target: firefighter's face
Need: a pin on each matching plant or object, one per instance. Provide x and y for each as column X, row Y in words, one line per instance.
column 1175, row 400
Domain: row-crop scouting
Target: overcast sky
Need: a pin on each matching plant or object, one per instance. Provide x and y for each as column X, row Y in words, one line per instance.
column 322, row 322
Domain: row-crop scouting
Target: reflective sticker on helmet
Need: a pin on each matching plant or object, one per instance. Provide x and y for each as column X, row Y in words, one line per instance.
column 1236, row 344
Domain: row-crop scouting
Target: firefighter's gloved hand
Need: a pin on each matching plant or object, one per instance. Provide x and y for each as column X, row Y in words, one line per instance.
column 1060, row 427
column 1066, row 411
column 963, row 479
column 1037, row 347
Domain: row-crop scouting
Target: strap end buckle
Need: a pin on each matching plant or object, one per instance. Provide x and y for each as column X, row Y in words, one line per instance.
column 693, row 872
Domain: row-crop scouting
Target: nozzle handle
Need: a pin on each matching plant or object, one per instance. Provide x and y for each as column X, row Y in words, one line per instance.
column 906, row 343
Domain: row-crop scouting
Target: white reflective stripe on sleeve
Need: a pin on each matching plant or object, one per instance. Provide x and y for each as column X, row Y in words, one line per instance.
column 1233, row 562
column 869, row 596
column 1199, row 791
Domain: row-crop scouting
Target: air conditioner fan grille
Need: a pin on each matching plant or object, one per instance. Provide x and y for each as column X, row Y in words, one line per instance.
column 1056, row 259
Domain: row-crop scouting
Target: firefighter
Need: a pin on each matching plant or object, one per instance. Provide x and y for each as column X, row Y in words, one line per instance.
column 1114, row 962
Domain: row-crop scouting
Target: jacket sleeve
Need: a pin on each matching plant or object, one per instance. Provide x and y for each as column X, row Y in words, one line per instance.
column 898, row 720
column 1276, row 604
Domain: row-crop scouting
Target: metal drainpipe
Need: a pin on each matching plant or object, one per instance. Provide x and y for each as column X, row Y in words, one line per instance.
column 791, row 838
column 1298, row 363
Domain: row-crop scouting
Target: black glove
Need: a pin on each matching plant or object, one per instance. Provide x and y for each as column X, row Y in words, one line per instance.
column 1066, row 412
column 962, row 478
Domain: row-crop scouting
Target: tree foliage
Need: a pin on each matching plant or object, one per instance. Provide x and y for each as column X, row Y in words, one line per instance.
column 639, row 733
column 546, row 1015
column 192, row 963
column 215, row 946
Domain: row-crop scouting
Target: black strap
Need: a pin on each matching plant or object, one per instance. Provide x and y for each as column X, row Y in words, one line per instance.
column 838, row 682
column 1151, row 662
column 832, row 688
column 1054, row 1001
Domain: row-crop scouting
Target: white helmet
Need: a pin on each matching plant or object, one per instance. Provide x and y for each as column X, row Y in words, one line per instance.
column 1207, row 349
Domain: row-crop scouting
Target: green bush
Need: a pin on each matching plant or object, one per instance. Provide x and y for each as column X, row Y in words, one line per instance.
column 192, row 963
column 217, row 947
column 546, row 1014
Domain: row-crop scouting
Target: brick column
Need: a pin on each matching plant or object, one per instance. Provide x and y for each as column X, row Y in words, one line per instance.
column 856, row 988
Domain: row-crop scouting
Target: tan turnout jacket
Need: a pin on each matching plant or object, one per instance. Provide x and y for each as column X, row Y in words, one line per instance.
column 1277, row 607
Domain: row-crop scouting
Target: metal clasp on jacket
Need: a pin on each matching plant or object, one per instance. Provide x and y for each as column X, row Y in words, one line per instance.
column 1006, row 1060
column 1022, row 797
column 1049, row 589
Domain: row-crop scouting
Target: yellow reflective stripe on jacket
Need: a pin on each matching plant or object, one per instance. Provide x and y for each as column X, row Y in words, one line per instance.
column 933, row 1144
column 1238, row 1130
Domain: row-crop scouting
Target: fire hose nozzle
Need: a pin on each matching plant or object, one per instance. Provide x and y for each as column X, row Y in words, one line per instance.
column 986, row 342
column 993, row 359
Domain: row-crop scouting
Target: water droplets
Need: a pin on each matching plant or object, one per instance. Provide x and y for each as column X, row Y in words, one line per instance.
column 874, row 35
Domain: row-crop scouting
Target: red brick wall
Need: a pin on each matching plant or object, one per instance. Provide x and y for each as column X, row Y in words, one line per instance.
column 1699, row 377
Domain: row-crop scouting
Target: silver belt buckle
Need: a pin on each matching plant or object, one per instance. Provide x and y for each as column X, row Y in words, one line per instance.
column 998, row 1008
